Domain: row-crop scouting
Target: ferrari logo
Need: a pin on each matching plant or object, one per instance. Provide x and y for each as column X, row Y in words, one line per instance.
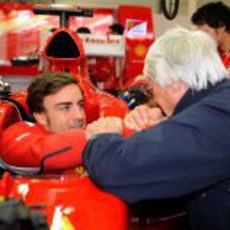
column 80, row 170
column 140, row 50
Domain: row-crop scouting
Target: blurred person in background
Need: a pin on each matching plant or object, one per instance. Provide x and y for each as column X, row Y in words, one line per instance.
column 214, row 18
column 116, row 29
column 83, row 30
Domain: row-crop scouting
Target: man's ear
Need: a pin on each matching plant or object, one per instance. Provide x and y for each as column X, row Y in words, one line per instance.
column 40, row 118
column 178, row 87
column 220, row 31
column 177, row 90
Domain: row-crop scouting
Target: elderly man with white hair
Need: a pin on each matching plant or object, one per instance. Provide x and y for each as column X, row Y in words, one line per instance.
column 186, row 154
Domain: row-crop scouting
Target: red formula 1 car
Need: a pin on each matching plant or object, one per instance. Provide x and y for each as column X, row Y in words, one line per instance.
column 71, row 200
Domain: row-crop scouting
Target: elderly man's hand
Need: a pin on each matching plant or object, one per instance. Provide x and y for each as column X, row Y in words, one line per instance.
column 104, row 125
column 143, row 117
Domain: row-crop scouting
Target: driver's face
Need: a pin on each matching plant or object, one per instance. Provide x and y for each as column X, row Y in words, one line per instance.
column 64, row 110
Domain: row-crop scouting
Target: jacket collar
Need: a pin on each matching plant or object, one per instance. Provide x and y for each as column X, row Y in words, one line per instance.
column 191, row 97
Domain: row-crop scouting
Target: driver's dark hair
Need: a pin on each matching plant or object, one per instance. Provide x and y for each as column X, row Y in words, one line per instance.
column 83, row 30
column 46, row 84
column 117, row 28
column 214, row 14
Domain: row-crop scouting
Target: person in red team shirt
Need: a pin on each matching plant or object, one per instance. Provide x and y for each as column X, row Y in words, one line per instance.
column 57, row 138
column 214, row 18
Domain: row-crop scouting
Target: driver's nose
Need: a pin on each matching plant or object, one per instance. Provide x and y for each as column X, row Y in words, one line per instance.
column 79, row 112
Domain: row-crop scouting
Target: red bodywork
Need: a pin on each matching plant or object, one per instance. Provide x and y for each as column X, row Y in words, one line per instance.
column 114, row 73
column 85, row 205
column 24, row 38
column 9, row 114
column 73, row 198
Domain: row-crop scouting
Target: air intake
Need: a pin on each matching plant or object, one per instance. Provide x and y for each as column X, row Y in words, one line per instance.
column 63, row 46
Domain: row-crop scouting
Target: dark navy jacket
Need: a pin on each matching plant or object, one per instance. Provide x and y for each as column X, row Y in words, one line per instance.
column 187, row 154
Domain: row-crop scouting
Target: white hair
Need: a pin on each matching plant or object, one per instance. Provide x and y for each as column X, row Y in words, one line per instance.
column 187, row 56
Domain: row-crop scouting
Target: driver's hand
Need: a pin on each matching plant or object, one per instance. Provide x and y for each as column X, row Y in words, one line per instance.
column 104, row 125
column 143, row 117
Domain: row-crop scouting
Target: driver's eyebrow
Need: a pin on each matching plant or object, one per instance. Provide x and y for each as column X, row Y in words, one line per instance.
column 81, row 101
column 63, row 103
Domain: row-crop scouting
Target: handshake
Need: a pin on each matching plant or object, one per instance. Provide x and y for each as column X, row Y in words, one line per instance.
column 142, row 117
